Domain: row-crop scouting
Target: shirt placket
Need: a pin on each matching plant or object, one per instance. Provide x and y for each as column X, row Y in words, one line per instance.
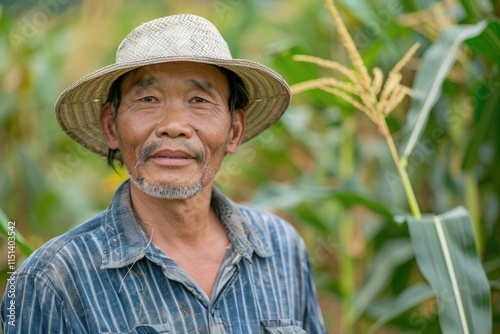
column 225, row 281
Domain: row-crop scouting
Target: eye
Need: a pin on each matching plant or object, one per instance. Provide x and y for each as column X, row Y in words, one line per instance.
column 149, row 99
column 198, row 99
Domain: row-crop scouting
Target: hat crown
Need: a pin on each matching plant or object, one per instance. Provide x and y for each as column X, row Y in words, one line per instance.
column 183, row 35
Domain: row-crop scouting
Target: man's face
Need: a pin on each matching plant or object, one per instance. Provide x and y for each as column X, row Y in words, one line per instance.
column 173, row 127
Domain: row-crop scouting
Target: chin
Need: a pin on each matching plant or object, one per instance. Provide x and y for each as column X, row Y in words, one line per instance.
column 164, row 191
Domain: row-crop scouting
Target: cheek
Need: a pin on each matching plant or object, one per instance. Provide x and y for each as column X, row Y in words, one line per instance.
column 217, row 127
column 218, row 148
column 215, row 140
column 132, row 134
column 131, row 124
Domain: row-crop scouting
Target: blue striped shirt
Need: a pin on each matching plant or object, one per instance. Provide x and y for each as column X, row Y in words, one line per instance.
column 106, row 277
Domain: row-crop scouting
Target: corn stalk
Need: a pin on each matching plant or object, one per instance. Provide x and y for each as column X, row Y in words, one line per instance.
column 369, row 94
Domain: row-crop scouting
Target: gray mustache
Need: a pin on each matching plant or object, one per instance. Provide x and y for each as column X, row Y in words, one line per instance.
column 147, row 151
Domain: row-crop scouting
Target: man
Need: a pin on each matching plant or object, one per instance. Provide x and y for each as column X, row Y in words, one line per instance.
column 171, row 254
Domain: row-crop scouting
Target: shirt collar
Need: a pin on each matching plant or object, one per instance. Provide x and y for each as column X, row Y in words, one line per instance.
column 244, row 238
column 125, row 242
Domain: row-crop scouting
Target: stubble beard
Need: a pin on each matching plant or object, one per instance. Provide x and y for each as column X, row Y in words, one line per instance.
column 163, row 191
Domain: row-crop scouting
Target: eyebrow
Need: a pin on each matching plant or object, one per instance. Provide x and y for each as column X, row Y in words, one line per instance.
column 202, row 85
column 144, row 82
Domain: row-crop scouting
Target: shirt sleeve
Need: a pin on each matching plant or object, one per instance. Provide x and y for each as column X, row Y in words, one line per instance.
column 30, row 305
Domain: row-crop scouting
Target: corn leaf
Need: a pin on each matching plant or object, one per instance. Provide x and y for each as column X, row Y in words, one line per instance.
column 395, row 253
column 408, row 299
column 285, row 196
column 469, row 8
column 485, row 124
column 365, row 12
column 445, row 251
column 487, row 43
column 436, row 64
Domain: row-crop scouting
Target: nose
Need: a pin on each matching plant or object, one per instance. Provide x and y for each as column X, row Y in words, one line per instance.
column 174, row 122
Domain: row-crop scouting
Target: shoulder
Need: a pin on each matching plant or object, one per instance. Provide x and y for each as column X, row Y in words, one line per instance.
column 272, row 229
column 42, row 288
column 265, row 220
column 73, row 246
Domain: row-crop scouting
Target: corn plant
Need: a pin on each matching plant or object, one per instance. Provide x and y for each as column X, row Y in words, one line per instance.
column 444, row 244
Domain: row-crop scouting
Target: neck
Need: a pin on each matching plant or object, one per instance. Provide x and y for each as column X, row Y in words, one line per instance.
column 189, row 221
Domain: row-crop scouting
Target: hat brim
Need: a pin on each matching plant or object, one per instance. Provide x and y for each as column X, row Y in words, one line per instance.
column 78, row 107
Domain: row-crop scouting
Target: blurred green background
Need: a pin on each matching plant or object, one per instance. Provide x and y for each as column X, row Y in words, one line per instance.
column 323, row 166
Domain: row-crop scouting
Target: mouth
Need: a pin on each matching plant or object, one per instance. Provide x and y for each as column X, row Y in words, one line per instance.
column 172, row 158
column 172, row 154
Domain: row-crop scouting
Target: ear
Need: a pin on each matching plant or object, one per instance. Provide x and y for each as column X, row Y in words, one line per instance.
column 108, row 125
column 237, row 131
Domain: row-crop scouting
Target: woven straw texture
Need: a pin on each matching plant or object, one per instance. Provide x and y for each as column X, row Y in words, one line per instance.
column 173, row 38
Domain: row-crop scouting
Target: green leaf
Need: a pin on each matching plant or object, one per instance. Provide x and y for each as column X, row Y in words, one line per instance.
column 487, row 120
column 393, row 253
column 469, row 8
column 407, row 300
column 492, row 265
column 446, row 255
column 472, row 202
column 436, row 64
column 282, row 196
column 5, row 229
column 363, row 10
column 487, row 43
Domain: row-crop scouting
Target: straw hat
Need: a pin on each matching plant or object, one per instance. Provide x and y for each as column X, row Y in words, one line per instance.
column 173, row 38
